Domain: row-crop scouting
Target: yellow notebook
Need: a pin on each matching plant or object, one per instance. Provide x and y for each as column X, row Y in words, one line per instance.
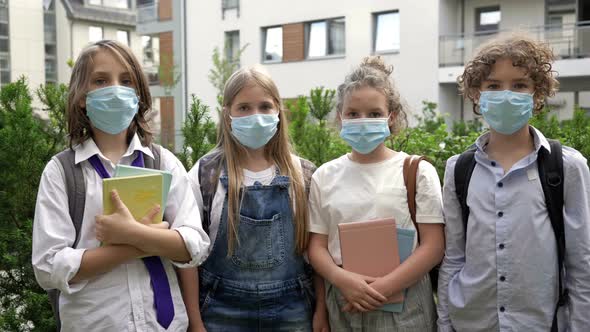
column 139, row 193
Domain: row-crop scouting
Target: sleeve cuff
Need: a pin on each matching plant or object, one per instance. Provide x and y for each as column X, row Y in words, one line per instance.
column 430, row 219
column 196, row 243
column 318, row 229
column 66, row 264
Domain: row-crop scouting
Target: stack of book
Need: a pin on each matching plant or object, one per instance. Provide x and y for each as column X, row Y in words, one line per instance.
column 375, row 248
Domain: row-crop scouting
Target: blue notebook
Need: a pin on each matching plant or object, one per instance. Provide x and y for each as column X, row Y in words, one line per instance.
column 405, row 240
column 124, row 171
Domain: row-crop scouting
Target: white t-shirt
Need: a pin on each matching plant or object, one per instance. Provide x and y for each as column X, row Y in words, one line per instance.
column 345, row 191
column 265, row 177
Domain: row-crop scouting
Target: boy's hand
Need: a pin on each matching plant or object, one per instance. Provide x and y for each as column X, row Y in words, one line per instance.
column 357, row 292
column 119, row 227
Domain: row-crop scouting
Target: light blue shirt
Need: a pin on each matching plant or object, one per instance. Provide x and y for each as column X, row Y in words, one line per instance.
column 505, row 277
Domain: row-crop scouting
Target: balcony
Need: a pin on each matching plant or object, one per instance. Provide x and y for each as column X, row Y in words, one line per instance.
column 148, row 12
column 569, row 41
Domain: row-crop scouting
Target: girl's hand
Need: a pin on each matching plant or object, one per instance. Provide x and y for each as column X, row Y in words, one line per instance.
column 356, row 290
column 320, row 320
column 119, row 227
column 379, row 285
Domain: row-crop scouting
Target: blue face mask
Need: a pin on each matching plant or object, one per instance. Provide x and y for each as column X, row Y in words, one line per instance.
column 365, row 134
column 506, row 111
column 111, row 109
column 254, row 131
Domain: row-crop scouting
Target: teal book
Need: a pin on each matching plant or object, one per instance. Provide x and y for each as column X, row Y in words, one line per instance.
column 125, row 171
column 405, row 241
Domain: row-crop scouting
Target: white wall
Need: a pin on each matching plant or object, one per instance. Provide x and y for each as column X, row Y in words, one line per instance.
column 27, row 41
column 416, row 66
column 64, row 52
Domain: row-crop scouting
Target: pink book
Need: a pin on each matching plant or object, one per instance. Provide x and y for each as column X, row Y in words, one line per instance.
column 370, row 248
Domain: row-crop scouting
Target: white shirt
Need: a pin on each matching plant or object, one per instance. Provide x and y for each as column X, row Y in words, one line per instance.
column 122, row 299
column 345, row 191
column 265, row 177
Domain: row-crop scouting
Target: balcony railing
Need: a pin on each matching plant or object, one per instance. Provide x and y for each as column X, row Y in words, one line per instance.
column 568, row 41
column 147, row 13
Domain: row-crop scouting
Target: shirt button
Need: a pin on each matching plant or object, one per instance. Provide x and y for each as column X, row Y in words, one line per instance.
column 494, row 163
column 500, row 214
column 500, row 184
column 501, row 246
column 502, row 309
column 502, row 278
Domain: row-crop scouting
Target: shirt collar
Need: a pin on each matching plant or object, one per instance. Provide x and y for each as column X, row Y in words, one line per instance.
column 538, row 139
column 89, row 148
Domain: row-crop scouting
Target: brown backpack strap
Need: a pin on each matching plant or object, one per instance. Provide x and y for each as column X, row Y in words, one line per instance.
column 410, row 173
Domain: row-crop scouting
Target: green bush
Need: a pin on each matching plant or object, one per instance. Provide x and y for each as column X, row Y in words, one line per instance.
column 26, row 145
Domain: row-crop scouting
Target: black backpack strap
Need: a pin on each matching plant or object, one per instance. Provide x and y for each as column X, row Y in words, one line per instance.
column 463, row 170
column 209, row 170
column 550, row 167
column 153, row 163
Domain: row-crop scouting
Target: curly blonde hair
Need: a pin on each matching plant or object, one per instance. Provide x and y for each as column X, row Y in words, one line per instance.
column 373, row 72
column 534, row 56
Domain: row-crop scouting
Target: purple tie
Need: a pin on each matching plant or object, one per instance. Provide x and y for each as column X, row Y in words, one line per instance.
column 159, row 279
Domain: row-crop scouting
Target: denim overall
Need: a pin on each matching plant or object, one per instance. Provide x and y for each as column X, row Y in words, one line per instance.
column 264, row 285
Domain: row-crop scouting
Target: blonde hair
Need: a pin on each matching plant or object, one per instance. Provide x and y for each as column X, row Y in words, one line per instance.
column 79, row 128
column 534, row 56
column 278, row 149
column 374, row 73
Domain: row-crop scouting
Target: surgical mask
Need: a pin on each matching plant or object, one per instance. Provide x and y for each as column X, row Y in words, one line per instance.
column 254, row 131
column 111, row 109
column 506, row 111
column 365, row 134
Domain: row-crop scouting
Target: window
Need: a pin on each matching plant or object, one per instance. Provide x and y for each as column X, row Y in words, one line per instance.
column 230, row 5
column 123, row 37
column 232, row 45
column 4, row 44
column 123, row 4
column 50, row 44
column 151, row 57
column 386, row 33
column 325, row 38
column 273, row 44
column 94, row 34
column 487, row 19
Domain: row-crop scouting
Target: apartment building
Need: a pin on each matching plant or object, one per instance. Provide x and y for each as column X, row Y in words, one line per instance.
column 564, row 24
column 307, row 43
column 41, row 39
column 160, row 26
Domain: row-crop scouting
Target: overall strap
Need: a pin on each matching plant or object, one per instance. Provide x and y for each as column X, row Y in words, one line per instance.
column 550, row 167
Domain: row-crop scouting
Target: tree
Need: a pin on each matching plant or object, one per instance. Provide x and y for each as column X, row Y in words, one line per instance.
column 223, row 68
column 199, row 133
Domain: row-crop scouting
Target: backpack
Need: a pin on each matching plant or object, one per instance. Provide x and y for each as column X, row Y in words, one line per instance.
column 410, row 171
column 76, row 191
column 550, row 166
column 209, row 167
